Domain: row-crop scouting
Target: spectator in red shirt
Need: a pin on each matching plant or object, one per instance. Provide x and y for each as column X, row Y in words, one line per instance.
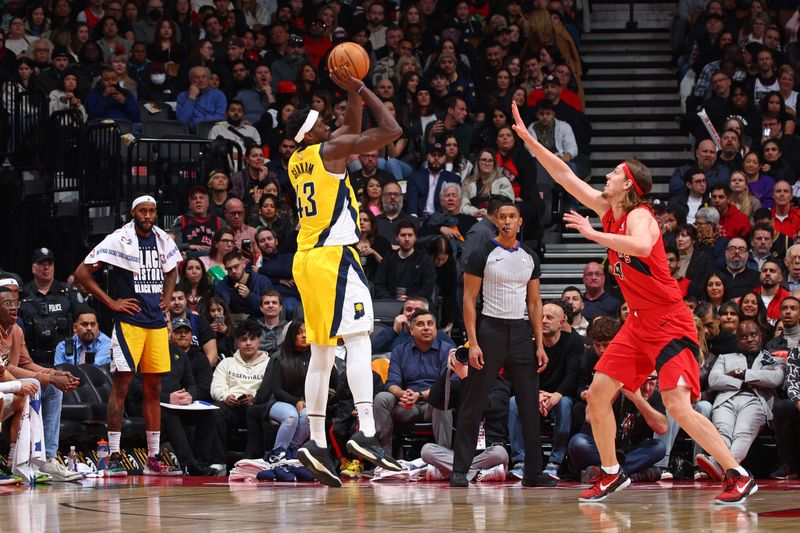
column 732, row 222
column 785, row 218
column 770, row 290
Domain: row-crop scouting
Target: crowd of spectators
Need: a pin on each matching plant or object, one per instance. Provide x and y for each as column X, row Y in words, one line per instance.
column 449, row 71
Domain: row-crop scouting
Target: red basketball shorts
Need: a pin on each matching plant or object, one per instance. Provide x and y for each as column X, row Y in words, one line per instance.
column 665, row 341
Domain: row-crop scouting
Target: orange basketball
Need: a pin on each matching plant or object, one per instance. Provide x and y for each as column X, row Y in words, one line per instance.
column 350, row 56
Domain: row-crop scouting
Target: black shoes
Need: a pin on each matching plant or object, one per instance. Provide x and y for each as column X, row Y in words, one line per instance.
column 318, row 461
column 370, row 448
column 539, row 480
column 458, row 479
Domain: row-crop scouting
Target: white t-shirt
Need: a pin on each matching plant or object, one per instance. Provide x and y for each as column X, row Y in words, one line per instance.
column 693, row 204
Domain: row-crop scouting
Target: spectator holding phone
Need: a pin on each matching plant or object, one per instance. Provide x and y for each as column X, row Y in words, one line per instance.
column 217, row 314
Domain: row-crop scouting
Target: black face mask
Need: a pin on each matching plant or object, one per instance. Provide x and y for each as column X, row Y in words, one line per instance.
column 155, row 14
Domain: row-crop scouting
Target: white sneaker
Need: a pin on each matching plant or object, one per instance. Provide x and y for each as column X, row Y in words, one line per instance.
column 220, row 468
column 59, row 472
column 517, row 472
column 496, row 473
column 552, row 470
column 666, row 474
column 434, row 474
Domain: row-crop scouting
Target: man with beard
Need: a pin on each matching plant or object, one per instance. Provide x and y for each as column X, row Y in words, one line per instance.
column 705, row 158
column 423, row 186
column 737, row 277
column 453, row 122
column 202, row 335
column 369, row 169
column 278, row 167
column 732, row 222
column 277, row 267
column 287, row 67
column 729, row 154
column 746, row 383
column 235, row 128
column 87, row 345
column 405, row 271
column 771, row 291
column 790, row 319
column 392, row 202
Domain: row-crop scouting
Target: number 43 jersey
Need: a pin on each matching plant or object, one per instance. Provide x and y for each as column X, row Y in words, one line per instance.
column 326, row 203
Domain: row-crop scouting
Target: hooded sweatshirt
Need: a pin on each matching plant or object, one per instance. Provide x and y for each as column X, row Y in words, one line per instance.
column 234, row 376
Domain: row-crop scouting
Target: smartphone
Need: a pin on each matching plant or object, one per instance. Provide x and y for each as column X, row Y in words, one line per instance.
column 242, row 397
column 219, row 319
column 246, row 244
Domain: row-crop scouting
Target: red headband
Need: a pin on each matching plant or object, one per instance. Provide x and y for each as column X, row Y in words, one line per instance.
column 628, row 173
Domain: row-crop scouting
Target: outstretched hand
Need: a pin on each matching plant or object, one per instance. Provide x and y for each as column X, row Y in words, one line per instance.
column 519, row 125
column 579, row 223
column 342, row 78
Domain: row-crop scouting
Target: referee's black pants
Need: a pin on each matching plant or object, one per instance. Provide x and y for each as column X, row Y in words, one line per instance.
column 509, row 344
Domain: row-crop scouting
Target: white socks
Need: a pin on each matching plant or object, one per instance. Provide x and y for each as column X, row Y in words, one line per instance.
column 317, row 379
column 611, row 469
column 359, row 378
column 153, row 443
column 113, row 441
column 12, row 453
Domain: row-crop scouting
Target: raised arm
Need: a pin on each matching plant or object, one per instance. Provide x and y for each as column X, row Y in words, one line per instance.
column 352, row 116
column 558, row 169
column 388, row 129
column 641, row 235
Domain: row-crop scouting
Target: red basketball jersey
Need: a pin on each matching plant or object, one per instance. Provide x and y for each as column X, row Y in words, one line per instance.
column 645, row 281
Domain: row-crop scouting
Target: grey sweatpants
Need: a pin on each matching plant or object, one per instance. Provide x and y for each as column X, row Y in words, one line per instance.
column 738, row 420
column 442, row 459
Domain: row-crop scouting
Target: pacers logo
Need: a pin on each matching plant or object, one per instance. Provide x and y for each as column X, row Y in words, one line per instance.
column 359, row 310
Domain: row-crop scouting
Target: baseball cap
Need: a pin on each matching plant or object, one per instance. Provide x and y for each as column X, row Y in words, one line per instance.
column 59, row 51
column 550, row 79
column 296, row 40
column 181, row 322
column 196, row 189
column 42, row 254
column 436, row 148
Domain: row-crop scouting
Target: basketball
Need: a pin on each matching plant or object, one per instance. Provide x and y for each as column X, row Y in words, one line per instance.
column 350, row 56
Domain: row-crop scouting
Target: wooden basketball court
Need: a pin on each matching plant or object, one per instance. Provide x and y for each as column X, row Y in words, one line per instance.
column 198, row 505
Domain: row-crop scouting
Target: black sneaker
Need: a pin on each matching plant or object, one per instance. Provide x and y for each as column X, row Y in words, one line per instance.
column 318, row 461
column 784, row 472
column 370, row 449
column 648, row 475
column 200, row 469
column 459, row 479
column 539, row 480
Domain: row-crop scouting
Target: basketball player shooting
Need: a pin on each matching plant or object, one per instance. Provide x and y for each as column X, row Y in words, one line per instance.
column 333, row 288
column 659, row 332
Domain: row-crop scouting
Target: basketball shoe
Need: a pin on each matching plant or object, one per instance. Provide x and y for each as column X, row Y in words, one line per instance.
column 370, row 448
column 156, row 467
column 115, row 467
column 736, row 488
column 603, row 485
column 318, row 461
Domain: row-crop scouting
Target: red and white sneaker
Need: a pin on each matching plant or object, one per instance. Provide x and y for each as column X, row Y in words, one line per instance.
column 603, row 485
column 710, row 467
column 156, row 467
column 736, row 488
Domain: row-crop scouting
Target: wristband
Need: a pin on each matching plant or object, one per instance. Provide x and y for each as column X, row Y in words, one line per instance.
column 363, row 85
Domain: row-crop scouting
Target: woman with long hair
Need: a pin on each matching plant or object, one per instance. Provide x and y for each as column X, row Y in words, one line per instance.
column 455, row 161
column 422, row 114
column 112, row 43
column 222, row 242
column 408, row 86
column 729, row 316
column 760, row 185
column 66, row 95
column 187, row 21
column 502, row 89
column 393, row 154
column 372, row 248
column 773, row 103
column 716, row 290
column 272, row 133
column 80, row 37
column 165, row 47
column 740, row 194
column 774, row 163
column 371, row 196
column 752, row 307
column 485, row 182
column 486, row 133
column 786, row 78
column 441, row 251
column 36, row 22
column 195, row 284
column 219, row 317
column 119, row 62
column 321, row 103
column 695, row 264
column 307, row 82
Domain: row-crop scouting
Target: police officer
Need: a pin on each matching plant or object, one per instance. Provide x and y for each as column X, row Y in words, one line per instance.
column 47, row 308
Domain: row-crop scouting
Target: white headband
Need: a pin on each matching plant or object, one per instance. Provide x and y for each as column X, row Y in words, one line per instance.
column 9, row 282
column 143, row 199
column 311, row 119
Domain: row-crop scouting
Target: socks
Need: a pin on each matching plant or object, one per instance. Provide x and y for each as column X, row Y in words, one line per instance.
column 317, row 379
column 12, row 453
column 113, row 441
column 611, row 469
column 359, row 378
column 742, row 471
column 153, row 442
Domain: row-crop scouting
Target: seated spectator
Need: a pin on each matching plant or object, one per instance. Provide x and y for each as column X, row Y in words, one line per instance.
column 556, row 135
column 745, row 383
column 236, row 380
column 556, row 389
column 253, row 176
column 194, row 282
column 277, row 267
column 218, row 185
column 759, row 184
column 729, row 316
column 673, row 262
column 446, row 287
column 393, row 212
column 112, row 42
column 422, row 191
column 740, row 195
column 486, row 181
column 752, row 307
column 792, row 264
column 390, row 338
column 109, row 100
column 372, row 248
column 572, row 297
column 413, row 368
column 273, row 326
column 517, row 164
column 219, row 317
column 786, row 420
column 65, row 97
column 221, row 243
column 451, row 223
column 239, row 289
column 708, row 237
column 258, row 99
column 200, row 102
column 370, row 197
column 191, row 433
column 369, row 171
column 716, row 290
column 454, row 122
column 597, row 300
column 788, row 145
column 278, row 167
column 705, row 158
column 278, row 217
column 770, row 288
column 194, row 231
column 732, row 222
column 638, row 418
column 695, row 263
column 405, row 271
column 785, row 217
column 789, row 336
column 235, row 129
column 288, row 389
column 737, row 277
column 775, row 164
column 202, row 335
column 718, row 339
column 244, row 235
column 761, row 242
column 87, row 345
column 694, row 196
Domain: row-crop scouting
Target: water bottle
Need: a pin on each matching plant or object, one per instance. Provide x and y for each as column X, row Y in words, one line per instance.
column 72, row 463
column 102, row 455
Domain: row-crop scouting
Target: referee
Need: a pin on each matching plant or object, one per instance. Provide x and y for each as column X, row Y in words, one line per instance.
column 510, row 274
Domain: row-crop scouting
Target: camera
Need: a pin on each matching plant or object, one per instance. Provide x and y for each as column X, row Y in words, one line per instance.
column 462, row 355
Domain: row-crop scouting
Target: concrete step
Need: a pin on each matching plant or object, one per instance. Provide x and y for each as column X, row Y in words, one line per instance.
column 629, row 59
column 631, row 75
column 657, row 21
column 614, row 113
column 623, row 87
column 630, row 140
column 598, row 6
column 550, row 291
column 617, row 48
column 625, row 37
column 650, row 127
column 633, row 99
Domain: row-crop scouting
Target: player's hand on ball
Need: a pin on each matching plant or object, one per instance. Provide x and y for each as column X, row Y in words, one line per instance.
column 343, row 79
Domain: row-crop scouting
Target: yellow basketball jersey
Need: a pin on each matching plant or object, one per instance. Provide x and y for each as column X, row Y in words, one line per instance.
column 326, row 203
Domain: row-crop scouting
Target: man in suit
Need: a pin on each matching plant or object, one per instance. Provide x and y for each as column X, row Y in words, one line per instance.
column 423, row 186
column 746, row 384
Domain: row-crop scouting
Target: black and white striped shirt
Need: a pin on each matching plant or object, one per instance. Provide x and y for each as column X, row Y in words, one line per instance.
column 506, row 273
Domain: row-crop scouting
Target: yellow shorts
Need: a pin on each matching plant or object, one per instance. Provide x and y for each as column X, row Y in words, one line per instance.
column 145, row 348
column 334, row 292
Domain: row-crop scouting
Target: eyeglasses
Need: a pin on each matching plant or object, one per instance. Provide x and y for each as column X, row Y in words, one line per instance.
column 739, row 249
column 11, row 304
column 227, row 241
column 392, row 194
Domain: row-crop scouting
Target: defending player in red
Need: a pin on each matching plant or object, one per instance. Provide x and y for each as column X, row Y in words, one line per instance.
column 659, row 332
